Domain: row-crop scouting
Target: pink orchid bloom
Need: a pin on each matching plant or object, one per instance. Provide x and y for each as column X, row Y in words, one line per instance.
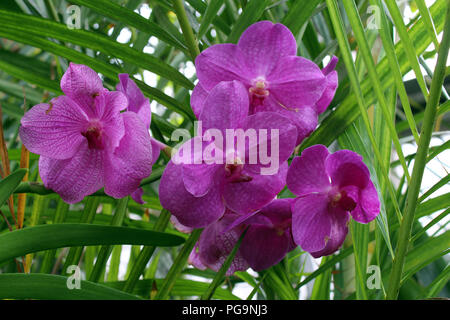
column 330, row 188
column 85, row 140
column 265, row 60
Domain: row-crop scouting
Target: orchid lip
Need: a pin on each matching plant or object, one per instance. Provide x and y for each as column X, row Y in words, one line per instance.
column 94, row 137
column 259, row 88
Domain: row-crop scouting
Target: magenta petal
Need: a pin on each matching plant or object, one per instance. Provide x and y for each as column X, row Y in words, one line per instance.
column 345, row 168
column 246, row 197
column 73, row 178
column 156, row 149
column 311, row 221
column 131, row 161
column 278, row 211
column 339, row 230
column 331, row 84
column 304, row 118
column 214, row 246
column 267, row 125
column 107, row 111
column 82, row 84
column 307, row 172
column 225, row 107
column 296, row 82
column 198, row 98
column 368, row 205
column 137, row 102
column 194, row 258
column 195, row 212
column 180, row 227
column 137, row 195
column 199, row 178
column 221, row 62
column 54, row 129
column 263, row 44
column 264, row 247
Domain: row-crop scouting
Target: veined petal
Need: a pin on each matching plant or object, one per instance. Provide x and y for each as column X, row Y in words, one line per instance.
column 276, row 140
column 194, row 212
column 137, row 195
column 137, row 102
column 214, row 246
column 198, row 98
column 296, row 82
column 221, row 62
column 339, row 230
column 304, row 118
column 157, row 146
column 331, row 84
column 73, row 178
column 311, row 222
column 345, row 168
column 54, row 129
column 368, row 204
column 263, row 247
column 307, row 173
column 131, row 161
column 246, row 197
column 82, row 84
column 107, row 112
column 263, row 44
column 225, row 107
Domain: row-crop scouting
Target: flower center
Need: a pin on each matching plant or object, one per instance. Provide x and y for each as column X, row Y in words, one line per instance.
column 94, row 137
column 342, row 200
column 233, row 172
column 258, row 91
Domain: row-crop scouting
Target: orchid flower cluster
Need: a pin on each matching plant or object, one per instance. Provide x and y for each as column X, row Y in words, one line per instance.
column 91, row 138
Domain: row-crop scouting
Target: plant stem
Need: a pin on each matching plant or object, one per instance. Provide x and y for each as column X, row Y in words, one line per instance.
column 186, row 28
column 419, row 163
column 178, row 265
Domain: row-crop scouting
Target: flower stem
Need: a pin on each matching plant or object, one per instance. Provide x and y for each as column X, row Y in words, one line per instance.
column 419, row 163
column 186, row 28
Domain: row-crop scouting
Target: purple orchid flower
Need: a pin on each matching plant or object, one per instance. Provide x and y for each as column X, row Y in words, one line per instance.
column 330, row 189
column 84, row 140
column 198, row 191
column 140, row 105
column 267, row 241
column 265, row 60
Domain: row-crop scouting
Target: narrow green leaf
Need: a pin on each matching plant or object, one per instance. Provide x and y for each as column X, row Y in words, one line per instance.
column 130, row 18
column 10, row 183
column 45, row 237
column 408, row 45
column 54, row 287
column 208, row 17
column 299, row 14
column 252, row 11
column 21, row 22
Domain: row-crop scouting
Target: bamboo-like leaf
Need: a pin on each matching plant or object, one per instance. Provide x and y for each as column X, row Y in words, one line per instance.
column 25, row 23
column 10, row 183
column 45, row 237
column 252, row 11
column 347, row 112
column 53, row 287
column 130, row 18
column 210, row 13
